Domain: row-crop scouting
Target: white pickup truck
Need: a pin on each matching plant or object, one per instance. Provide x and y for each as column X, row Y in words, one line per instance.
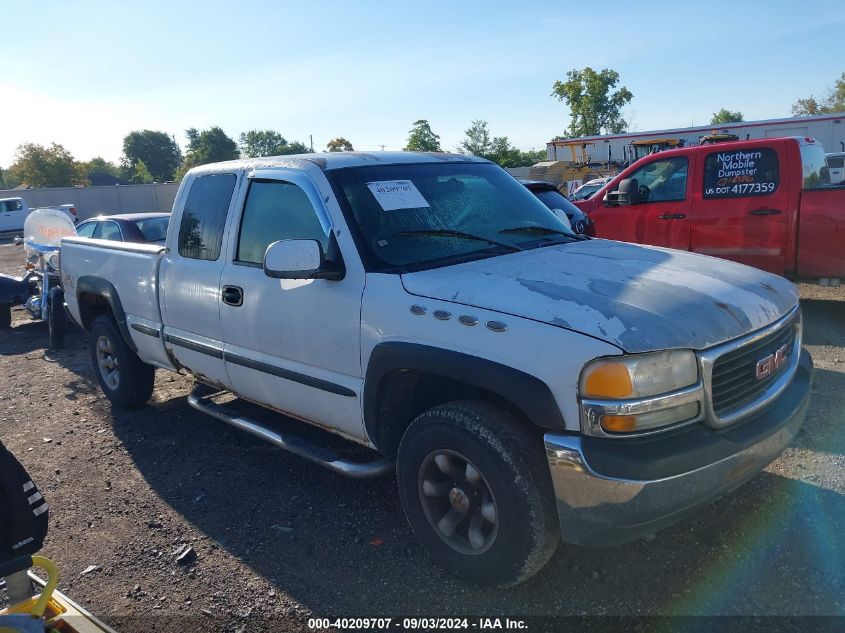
column 528, row 384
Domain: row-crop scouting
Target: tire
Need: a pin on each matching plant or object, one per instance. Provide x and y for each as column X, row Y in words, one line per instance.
column 5, row 316
column 124, row 378
column 57, row 318
column 490, row 456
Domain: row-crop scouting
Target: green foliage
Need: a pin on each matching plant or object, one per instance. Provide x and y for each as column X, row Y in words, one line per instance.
column 39, row 166
column 339, row 144
column 157, row 150
column 594, row 107
column 258, row 143
column 3, row 184
column 477, row 139
column 207, row 146
column 422, row 139
column 726, row 116
column 833, row 101
column 141, row 175
column 498, row 149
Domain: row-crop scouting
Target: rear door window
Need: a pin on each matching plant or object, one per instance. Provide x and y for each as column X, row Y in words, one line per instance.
column 741, row 173
column 204, row 216
column 110, row 231
column 87, row 229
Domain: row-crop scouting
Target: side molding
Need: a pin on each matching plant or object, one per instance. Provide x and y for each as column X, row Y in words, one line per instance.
column 531, row 395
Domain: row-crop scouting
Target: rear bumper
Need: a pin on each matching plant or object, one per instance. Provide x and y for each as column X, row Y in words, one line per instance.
column 603, row 510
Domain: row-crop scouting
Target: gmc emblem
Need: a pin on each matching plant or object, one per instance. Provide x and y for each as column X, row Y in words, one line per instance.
column 769, row 365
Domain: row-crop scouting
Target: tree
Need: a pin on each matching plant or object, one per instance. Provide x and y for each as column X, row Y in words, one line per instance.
column 339, row 144
column 833, row 101
column 476, row 140
column 257, row 143
column 422, row 139
column 296, row 147
column 39, row 166
column 157, row 150
column 726, row 116
column 141, row 175
column 207, row 146
column 594, row 108
column 2, row 179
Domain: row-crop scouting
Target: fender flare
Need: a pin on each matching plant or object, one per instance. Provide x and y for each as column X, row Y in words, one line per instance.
column 528, row 393
column 102, row 288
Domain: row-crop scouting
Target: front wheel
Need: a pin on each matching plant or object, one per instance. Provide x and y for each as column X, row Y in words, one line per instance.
column 476, row 490
column 124, row 378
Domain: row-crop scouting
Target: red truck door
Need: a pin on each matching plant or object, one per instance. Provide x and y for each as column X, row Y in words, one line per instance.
column 742, row 206
column 662, row 216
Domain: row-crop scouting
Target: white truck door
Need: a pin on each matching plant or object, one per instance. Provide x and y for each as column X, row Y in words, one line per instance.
column 293, row 345
column 12, row 215
column 190, row 278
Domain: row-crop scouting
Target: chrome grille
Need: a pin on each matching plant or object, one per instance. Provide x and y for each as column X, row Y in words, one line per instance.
column 734, row 382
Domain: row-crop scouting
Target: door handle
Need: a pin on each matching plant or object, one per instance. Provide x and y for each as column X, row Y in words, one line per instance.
column 672, row 216
column 764, row 212
column 232, row 296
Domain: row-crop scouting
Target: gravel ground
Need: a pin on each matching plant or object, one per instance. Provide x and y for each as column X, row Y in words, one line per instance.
column 278, row 538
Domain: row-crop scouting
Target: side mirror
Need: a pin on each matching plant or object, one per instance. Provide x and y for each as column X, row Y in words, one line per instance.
column 627, row 193
column 298, row 259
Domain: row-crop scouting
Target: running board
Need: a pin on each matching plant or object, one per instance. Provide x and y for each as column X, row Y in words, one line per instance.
column 291, row 443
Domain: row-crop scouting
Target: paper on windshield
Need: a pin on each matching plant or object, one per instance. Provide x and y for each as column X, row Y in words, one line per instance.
column 397, row 194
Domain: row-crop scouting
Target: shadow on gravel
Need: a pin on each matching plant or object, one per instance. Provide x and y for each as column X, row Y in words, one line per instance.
column 342, row 546
column 824, row 321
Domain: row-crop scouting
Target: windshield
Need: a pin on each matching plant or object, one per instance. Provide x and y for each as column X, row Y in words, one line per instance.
column 412, row 217
column 585, row 191
column 153, row 229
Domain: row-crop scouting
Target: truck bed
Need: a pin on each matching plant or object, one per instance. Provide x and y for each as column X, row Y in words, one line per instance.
column 132, row 270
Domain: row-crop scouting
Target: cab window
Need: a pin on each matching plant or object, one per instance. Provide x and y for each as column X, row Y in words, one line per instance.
column 663, row 180
column 816, row 170
column 276, row 210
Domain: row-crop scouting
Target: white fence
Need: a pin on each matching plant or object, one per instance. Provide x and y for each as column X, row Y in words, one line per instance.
column 91, row 201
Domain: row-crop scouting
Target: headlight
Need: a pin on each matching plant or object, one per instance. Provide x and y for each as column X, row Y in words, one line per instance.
column 642, row 392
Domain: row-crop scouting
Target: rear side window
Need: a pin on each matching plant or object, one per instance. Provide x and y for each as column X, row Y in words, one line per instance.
column 204, row 216
column 741, row 173
column 110, row 231
column 814, row 162
column 276, row 210
column 836, row 162
column 11, row 205
column 86, row 230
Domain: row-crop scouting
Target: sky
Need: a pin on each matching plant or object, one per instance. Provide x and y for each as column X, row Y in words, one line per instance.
column 84, row 74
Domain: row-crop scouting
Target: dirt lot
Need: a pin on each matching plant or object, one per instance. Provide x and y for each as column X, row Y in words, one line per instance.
column 277, row 537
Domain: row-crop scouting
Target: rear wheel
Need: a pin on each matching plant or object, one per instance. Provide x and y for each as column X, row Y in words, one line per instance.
column 57, row 318
column 475, row 487
column 5, row 316
column 124, row 378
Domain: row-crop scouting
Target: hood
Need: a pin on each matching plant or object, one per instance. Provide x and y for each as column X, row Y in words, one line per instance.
column 640, row 298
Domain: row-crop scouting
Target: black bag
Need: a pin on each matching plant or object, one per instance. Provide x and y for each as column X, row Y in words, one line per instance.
column 23, row 515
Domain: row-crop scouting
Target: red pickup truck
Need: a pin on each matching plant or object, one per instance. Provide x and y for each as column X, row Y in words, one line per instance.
column 767, row 203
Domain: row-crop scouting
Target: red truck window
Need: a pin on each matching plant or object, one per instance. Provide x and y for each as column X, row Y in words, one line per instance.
column 816, row 171
column 662, row 180
column 741, row 173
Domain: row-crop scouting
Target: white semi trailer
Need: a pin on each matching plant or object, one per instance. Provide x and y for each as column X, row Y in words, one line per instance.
column 828, row 129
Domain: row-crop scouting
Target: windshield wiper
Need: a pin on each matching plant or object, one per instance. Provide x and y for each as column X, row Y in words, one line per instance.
column 459, row 234
column 542, row 230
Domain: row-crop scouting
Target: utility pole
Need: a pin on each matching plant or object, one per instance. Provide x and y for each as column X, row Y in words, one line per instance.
column 311, row 139
column 382, row 147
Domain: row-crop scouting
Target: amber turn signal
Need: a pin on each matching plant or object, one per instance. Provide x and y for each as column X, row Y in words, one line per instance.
column 619, row 423
column 608, row 380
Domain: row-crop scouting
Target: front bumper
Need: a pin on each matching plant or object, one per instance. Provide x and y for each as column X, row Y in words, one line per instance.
column 599, row 505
